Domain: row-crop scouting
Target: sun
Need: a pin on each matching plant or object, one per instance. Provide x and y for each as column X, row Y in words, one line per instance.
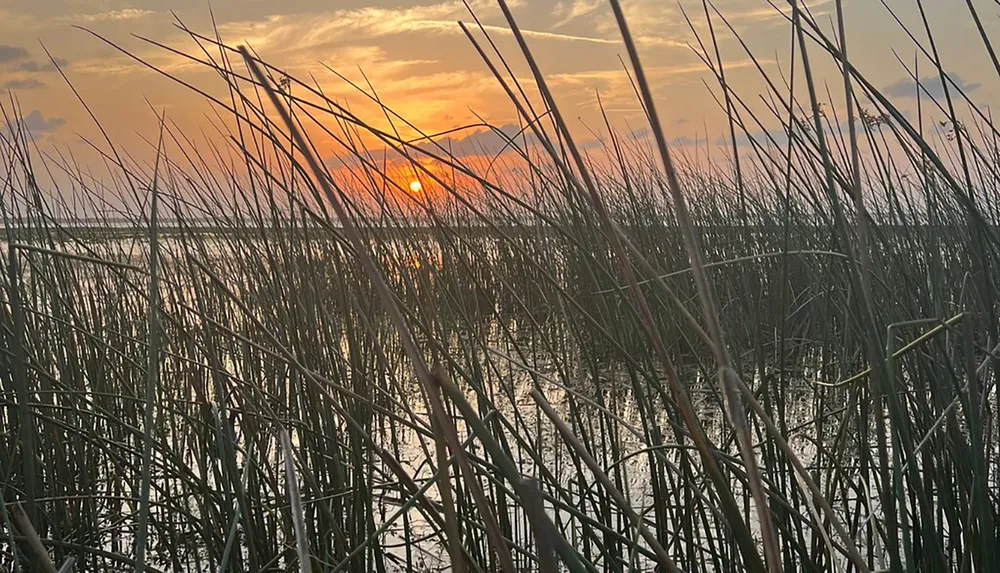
column 415, row 186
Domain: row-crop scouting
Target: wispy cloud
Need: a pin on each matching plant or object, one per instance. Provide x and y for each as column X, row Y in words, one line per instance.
column 646, row 18
column 26, row 84
column 36, row 123
column 293, row 32
column 113, row 15
column 19, row 59
column 573, row 10
column 686, row 141
column 661, row 42
column 9, row 54
column 552, row 35
column 307, row 32
column 766, row 14
column 46, row 66
column 930, row 86
column 616, row 74
column 482, row 142
column 110, row 66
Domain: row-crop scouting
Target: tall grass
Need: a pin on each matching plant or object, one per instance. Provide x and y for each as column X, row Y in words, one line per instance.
column 240, row 357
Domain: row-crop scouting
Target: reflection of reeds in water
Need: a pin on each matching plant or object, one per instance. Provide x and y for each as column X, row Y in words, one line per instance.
column 612, row 365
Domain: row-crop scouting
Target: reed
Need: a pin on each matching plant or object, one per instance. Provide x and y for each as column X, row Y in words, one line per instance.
column 559, row 358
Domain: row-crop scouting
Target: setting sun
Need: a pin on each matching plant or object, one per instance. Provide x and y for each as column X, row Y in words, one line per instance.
column 415, row 186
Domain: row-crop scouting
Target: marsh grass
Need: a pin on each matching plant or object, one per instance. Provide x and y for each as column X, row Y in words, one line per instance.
column 239, row 358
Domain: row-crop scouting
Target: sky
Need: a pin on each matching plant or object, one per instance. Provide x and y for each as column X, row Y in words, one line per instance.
column 416, row 57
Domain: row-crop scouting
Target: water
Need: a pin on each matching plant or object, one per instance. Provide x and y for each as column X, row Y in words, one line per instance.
column 293, row 333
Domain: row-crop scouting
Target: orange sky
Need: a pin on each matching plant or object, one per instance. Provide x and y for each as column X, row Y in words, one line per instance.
column 417, row 59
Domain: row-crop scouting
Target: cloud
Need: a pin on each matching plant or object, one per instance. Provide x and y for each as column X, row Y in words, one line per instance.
column 595, row 76
column 17, row 58
column 774, row 13
column 575, row 10
column 930, row 86
column 116, row 15
column 760, row 137
column 299, row 33
column 654, row 41
column 775, row 136
column 10, row 54
column 552, row 35
column 647, row 18
column 641, row 133
column 484, row 142
column 27, row 84
column 36, row 123
column 46, row 66
column 686, row 141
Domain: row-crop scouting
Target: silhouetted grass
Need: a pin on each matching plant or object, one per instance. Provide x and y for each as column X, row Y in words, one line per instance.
column 241, row 358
